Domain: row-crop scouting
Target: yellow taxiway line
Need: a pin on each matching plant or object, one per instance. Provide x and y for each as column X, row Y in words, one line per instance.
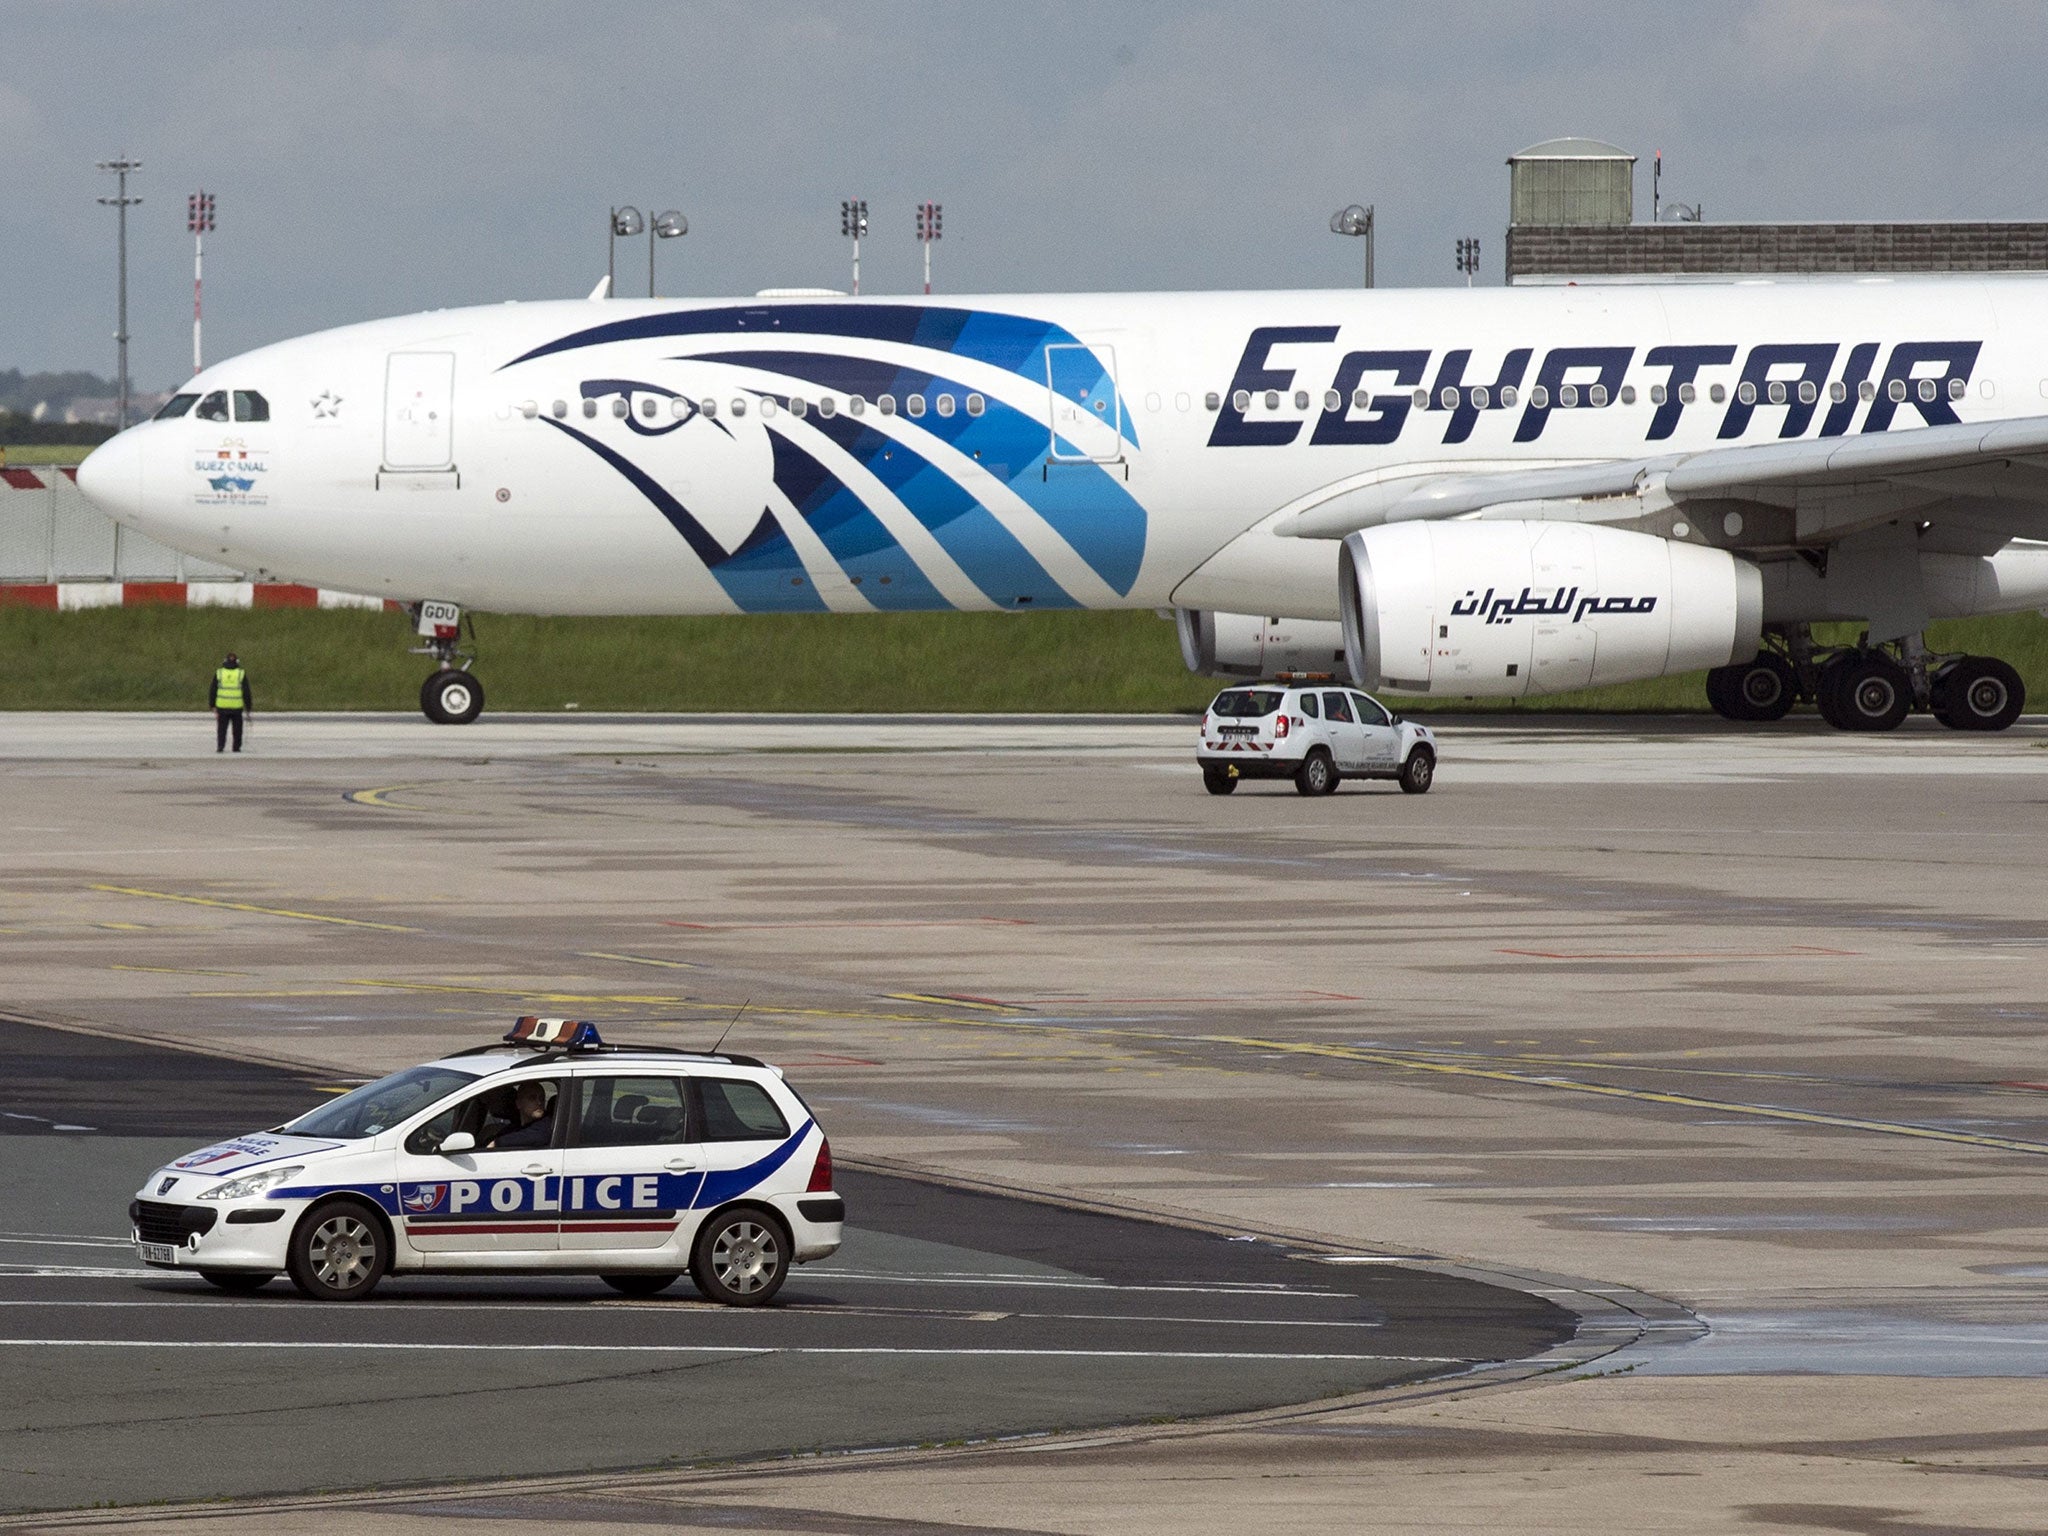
column 249, row 906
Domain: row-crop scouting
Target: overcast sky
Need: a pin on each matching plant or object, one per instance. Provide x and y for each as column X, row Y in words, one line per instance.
column 375, row 158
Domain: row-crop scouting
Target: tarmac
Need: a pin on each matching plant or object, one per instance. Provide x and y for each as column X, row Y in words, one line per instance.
column 1739, row 1027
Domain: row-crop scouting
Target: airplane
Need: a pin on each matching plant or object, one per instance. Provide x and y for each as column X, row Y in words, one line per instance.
column 1441, row 492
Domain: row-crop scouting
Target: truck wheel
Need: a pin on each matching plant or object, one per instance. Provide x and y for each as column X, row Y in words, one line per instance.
column 1218, row 780
column 1419, row 772
column 1317, row 774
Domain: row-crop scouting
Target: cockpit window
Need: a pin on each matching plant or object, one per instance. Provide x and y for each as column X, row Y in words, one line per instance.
column 214, row 407
column 177, row 405
column 250, row 406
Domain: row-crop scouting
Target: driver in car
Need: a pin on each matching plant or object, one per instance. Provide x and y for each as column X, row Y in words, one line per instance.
column 535, row 1125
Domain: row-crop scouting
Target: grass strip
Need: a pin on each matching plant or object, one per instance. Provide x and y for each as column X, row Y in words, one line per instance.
column 156, row 658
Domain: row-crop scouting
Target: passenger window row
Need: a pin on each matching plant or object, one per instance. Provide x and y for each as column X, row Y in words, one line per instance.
column 826, row 405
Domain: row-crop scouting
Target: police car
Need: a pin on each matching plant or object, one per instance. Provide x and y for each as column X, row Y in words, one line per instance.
column 1313, row 732
column 551, row 1152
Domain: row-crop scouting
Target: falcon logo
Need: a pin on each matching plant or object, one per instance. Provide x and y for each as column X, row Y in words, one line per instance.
column 425, row 1197
column 165, row 1187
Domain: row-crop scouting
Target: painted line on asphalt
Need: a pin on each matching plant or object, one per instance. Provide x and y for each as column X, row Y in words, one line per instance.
column 667, row 965
column 1409, row 1063
column 738, row 1351
column 250, row 906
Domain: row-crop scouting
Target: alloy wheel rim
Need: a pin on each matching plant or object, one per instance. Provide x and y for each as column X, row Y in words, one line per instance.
column 343, row 1251
column 744, row 1258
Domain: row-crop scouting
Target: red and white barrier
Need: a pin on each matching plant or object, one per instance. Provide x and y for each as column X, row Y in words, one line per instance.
column 63, row 596
column 58, row 552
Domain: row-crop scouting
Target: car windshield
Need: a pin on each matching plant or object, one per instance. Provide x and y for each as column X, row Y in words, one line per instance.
column 1247, row 703
column 380, row 1105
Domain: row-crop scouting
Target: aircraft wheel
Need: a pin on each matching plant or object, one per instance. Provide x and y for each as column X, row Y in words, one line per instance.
column 1978, row 693
column 1870, row 693
column 1721, row 691
column 452, row 697
column 1762, row 689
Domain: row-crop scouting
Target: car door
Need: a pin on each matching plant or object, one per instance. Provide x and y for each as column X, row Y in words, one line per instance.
column 1382, row 736
column 630, row 1171
column 485, row 1199
column 1347, row 740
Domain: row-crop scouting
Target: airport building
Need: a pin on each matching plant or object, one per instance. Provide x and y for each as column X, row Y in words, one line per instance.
column 1572, row 218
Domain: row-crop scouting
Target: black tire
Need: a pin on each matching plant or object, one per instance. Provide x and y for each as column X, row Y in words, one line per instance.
column 1871, row 693
column 452, row 697
column 1317, row 774
column 638, row 1284
column 1827, row 686
column 1218, row 779
column 740, row 1258
column 237, row 1282
column 338, row 1252
column 1419, row 772
column 1978, row 693
column 1721, row 694
column 1763, row 689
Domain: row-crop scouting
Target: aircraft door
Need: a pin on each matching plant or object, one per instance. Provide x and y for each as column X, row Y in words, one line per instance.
column 1086, row 408
column 419, row 411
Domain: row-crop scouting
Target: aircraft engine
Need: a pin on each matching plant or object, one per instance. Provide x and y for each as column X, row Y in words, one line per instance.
column 1503, row 609
column 1252, row 645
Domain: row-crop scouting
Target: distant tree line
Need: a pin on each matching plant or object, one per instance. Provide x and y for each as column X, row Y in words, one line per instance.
column 19, row 429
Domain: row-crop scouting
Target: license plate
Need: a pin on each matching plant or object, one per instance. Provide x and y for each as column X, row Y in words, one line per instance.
column 157, row 1253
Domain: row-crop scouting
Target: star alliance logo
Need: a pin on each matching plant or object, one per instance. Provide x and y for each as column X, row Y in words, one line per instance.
column 326, row 405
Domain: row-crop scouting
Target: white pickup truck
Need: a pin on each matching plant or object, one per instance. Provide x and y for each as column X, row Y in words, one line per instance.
column 1316, row 734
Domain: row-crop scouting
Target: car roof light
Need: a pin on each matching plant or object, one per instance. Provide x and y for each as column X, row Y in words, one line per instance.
column 570, row 1034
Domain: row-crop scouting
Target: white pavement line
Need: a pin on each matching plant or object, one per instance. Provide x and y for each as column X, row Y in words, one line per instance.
column 68, row 1242
column 723, row 1349
column 1003, row 1282
column 72, row 1272
column 600, row 1306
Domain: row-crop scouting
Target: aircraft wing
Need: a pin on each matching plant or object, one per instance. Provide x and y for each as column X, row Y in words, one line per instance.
column 1989, row 481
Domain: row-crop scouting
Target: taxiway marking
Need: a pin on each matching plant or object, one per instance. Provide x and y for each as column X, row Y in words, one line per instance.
column 249, row 906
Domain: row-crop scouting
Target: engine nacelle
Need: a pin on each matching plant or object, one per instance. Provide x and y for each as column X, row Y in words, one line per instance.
column 1503, row 609
column 1250, row 645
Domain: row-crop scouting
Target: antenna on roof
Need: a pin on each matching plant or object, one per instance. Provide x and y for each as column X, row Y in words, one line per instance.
column 728, row 1028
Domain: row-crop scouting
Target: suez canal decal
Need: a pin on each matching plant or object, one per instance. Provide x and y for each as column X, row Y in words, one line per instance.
column 1369, row 397
column 233, row 474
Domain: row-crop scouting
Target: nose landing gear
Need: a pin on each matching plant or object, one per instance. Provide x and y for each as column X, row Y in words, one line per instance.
column 453, row 695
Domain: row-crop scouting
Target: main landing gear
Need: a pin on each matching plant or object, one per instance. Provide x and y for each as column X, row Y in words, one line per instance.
column 1867, row 687
column 453, row 695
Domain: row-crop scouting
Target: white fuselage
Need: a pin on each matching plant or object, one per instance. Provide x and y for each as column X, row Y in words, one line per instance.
column 1016, row 452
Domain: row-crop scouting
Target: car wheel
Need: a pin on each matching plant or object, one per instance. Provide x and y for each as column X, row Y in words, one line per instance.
column 639, row 1285
column 237, row 1281
column 1218, row 780
column 1317, row 774
column 740, row 1258
column 1419, row 772
column 338, row 1252
column 452, row 697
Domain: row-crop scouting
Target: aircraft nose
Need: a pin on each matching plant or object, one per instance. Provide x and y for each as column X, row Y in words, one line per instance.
column 111, row 476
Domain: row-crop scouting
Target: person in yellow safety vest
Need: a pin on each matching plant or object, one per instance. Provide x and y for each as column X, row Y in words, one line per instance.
column 232, row 699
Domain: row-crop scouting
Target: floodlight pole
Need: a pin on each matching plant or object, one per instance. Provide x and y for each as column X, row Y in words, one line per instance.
column 853, row 222
column 121, row 202
column 198, row 219
column 928, row 221
column 1356, row 221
